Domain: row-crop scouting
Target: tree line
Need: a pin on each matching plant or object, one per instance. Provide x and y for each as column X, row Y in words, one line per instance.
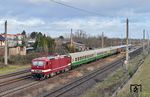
column 42, row 43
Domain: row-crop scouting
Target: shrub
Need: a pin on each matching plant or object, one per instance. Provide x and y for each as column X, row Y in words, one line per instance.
column 23, row 59
column 131, row 73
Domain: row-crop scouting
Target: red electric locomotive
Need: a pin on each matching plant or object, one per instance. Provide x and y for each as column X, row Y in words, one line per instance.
column 45, row 67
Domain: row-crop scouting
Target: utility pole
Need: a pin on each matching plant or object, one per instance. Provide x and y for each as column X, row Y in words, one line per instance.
column 143, row 40
column 121, row 39
column 147, row 40
column 6, row 59
column 71, row 39
column 127, row 35
column 102, row 37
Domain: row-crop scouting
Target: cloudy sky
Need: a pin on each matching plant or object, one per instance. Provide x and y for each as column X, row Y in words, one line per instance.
column 53, row 19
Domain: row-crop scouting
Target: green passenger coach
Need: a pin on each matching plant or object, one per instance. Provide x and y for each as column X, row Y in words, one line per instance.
column 79, row 58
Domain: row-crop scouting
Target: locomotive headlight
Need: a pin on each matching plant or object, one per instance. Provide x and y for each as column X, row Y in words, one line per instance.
column 39, row 71
column 36, row 71
column 32, row 70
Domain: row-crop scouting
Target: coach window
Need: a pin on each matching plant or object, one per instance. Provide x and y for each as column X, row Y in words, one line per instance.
column 79, row 58
column 75, row 59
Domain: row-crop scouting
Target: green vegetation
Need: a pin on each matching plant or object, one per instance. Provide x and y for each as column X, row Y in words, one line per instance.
column 19, row 59
column 70, row 48
column 134, row 64
column 141, row 77
column 12, row 68
column 44, row 43
column 22, row 59
column 24, row 41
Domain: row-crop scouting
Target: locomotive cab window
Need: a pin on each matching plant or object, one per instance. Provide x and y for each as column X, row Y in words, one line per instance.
column 38, row 63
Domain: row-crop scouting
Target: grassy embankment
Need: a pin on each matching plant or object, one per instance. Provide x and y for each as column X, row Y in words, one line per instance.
column 141, row 77
column 12, row 68
column 111, row 83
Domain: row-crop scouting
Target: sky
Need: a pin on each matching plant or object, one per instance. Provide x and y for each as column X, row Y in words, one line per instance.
column 108, row 16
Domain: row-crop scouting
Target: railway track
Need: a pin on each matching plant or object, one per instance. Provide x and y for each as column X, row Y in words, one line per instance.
column 14, row 80
column 14, row 74
column 17, row 90
column 9, row 92
column 68, row 89
column 8, row 82
column 77, row 83
column 14, row 85
column 135, row 52
column 26, row 81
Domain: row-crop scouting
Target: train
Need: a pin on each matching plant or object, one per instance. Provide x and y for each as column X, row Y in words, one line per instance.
column 45, row 67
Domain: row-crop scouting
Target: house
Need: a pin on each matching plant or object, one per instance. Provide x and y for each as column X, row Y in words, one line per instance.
column 14, row 39
column 79, row 46
column 2, row 41
column 15, row 46
column 30, row 42
column 19, row 50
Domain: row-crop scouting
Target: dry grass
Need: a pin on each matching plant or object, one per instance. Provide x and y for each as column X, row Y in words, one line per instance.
column 12, row 68
column 110, row 84
column 141, row 77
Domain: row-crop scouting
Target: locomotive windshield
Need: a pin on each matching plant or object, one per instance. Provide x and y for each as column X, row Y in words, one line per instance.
column 38, row 63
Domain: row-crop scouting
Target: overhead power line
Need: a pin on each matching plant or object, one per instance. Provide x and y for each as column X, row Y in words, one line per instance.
column 76, row 8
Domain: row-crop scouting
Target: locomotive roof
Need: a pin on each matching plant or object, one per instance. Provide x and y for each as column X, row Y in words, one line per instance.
column 97, row 50
column 44, row 58
column 49, row 57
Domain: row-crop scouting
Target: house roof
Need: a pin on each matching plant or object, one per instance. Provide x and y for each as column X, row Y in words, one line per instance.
column 13, row 34
column 2, row 38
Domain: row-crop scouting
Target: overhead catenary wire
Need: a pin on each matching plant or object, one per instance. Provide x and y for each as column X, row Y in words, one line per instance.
column 76, row 8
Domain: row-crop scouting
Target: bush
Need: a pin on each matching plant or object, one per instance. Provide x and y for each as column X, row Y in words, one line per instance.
column 1, row 59
column 131, row 72
column 26, row 59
